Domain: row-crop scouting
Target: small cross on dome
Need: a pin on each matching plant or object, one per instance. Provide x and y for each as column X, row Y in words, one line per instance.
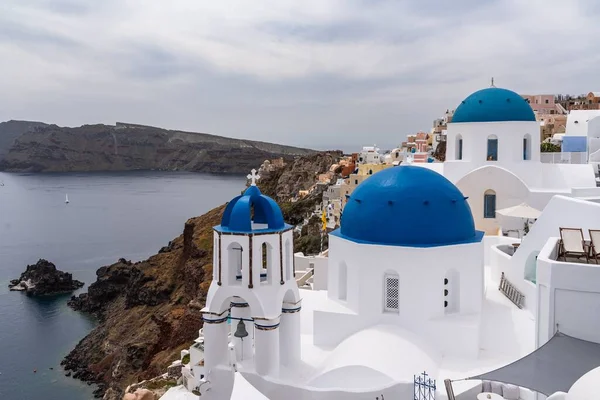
column 253, row 177
column 493, row 82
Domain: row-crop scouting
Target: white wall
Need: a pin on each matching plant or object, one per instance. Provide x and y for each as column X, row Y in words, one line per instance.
column 421, row 272
column 535, row 175
column 319, row 263
column 510, row 142
column 265, row 298
column 561, row 211
column 584, row 120
column 569, row 295
column 510, row 191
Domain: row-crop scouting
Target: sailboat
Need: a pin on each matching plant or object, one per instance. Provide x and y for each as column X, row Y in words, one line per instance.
column 66, row 198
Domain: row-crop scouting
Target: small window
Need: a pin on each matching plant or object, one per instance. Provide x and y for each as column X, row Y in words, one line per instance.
column 489, row 204
column 527, row 147
column 343, row 281
column 392, row 293
column 492, row 148
column 459, row 147
column 356, row 181
column 546, row 101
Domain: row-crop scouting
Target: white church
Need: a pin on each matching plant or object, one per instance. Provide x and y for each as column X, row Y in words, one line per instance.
column 415, row 283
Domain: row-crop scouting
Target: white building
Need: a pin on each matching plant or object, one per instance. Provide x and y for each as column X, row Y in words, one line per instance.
column 493, row 156
column 254, row 287
column 410, row 283
column 370, row 155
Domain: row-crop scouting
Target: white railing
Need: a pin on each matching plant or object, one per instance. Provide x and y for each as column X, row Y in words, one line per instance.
column 564, row 158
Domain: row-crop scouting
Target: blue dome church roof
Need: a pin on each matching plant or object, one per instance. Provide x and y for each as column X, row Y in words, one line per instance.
column 493, row 105
column 252, row 207
column 408, row 206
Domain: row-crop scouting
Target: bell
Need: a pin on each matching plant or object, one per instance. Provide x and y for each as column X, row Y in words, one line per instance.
column 241, row 331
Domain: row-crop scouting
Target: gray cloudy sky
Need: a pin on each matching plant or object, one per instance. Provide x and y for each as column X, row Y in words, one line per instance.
column 315, row 73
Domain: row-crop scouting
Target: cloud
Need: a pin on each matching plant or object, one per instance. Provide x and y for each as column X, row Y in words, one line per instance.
column 314, row 73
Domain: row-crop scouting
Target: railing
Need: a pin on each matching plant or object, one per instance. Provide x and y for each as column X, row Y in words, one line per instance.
column 564, row 158
column 511, row 292
column 424, row 387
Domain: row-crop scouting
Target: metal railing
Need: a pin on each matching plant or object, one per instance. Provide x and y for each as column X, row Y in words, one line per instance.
column 511, row 292
column 564, row 158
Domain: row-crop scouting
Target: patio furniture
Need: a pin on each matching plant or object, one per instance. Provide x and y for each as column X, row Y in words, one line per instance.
column 595, row 244
column 572, row 244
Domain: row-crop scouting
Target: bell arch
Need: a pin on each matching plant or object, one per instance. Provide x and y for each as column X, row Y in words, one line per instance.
column 266, row 262
column 235, row 257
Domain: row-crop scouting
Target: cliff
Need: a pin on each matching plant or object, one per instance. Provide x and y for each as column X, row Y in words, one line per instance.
column 11, row 130
column 149, row 310
column 135, row 147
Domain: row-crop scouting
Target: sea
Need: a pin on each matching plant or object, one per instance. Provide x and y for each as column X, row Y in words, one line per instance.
column 109, row 216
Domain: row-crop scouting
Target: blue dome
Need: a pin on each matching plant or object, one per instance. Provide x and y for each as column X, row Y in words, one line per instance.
column 493, row 105
column 237, row 217
column 408, row 206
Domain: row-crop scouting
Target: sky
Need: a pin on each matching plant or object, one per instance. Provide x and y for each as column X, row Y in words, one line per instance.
column 315, row 73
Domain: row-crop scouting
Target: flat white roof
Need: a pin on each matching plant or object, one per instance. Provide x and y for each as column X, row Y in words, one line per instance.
column 507, row 334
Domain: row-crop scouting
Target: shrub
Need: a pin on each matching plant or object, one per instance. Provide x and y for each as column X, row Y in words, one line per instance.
column 549, row 148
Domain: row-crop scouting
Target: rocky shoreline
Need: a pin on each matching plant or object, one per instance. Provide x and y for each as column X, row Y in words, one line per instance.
column 43, row 279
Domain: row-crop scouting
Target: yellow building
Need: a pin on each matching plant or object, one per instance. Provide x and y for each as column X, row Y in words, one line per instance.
column 364, row 172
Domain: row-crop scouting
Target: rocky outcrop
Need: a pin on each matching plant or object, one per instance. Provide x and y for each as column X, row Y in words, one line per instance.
column 148, row 311
column 283, row 181
column 42, row 278
column 136, row 147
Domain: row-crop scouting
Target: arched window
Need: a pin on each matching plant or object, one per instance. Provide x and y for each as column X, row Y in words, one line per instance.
column 492, row 148
column 235, row 253
column 343, row 282
column 459, row 147
column 489, row 204
column 527, row 147
column 391, row 292
column 451, row 292
column 265, row 262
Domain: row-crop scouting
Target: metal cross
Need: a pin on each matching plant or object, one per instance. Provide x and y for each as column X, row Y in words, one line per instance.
column 493, row 82
column 253, row 177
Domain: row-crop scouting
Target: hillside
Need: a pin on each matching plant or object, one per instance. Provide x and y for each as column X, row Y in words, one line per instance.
column 149, row 310
column 11, row 130
column 135, row 147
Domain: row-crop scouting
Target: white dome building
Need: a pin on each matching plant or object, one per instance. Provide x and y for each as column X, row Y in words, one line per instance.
column 384, row 261
column 254, row 289
column 493, row 156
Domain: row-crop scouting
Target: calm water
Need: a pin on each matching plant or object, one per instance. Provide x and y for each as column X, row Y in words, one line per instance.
column 128, row 215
